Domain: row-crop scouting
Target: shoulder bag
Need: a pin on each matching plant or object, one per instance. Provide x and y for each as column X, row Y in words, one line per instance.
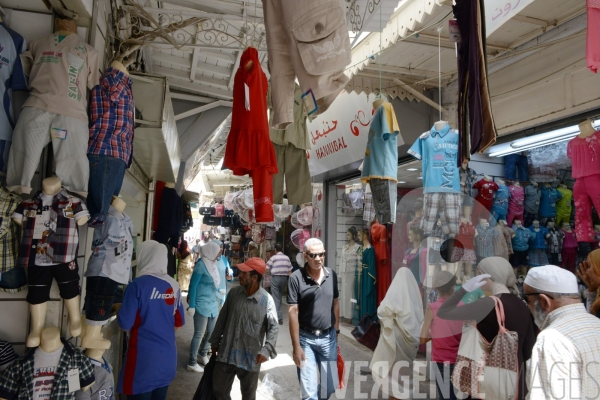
column 367, row 332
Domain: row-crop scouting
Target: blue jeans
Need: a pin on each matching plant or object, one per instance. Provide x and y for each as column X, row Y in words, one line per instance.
column 99, row 298
column 106, row 179
column 443, row 381
column 203, row 328
column 278, row 285
column 156, row 394
column 516, row 164
column 319, row 377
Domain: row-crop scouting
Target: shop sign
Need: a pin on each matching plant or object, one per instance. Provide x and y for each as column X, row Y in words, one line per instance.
column 497, row 12
column 339, row 135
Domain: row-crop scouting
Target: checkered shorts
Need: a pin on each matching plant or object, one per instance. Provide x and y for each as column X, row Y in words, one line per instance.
column 369, row 209
column 385, row 195
column 446, row 207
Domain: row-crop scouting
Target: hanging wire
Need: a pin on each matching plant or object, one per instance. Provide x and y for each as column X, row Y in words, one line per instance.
column 439, row 29
column 380, row 49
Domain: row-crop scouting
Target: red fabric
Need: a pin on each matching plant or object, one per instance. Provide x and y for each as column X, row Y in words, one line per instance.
column 486, row 191
column 158, row 189
column 249, row 149
column 379, row 241
column 465, row 236
column 592, row 50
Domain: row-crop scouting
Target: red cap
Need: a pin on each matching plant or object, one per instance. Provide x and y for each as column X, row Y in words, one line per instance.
column 253, row 264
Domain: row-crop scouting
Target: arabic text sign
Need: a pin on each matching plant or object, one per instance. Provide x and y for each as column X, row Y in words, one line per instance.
column 497, row 12
column 339, row 135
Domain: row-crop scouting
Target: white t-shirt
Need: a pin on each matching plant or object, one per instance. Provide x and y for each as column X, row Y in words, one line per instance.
column 44, row 368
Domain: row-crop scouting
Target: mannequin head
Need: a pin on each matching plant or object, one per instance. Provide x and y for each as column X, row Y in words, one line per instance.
column 51, row 186
column 536, row 223
column 487, row 178
column 363, row 236
column 484, row 222
column 415, row 235
column 65, row 25
column 50, row 340
column 534, row 184
column 566, row 226
column 550, row 225
column 586, row 128
column 118, row 204
column 352, row 235
column 418, row 207
column 502, row 222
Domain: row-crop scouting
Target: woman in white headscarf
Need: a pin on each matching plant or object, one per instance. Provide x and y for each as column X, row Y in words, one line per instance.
column 401, row 316
column 151, row 308
column 204, row 304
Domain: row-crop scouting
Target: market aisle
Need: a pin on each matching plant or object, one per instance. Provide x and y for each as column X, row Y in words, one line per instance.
column 283, row 370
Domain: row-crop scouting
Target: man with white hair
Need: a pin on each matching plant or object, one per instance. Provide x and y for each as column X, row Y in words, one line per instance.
column 565, row 363
column 314, row 323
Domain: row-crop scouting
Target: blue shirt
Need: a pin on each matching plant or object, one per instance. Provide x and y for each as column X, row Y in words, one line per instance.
column 203, row 293
column 548, row 201
column 381, row 155
column 150, row 311
column 538, row 239
column 501, row 197
column 224, row 269
column 12, row 77
column 521, row 240
column 439, row 151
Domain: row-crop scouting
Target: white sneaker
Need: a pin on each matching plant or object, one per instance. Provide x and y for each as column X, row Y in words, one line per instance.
column 203, row 360
column 195, row 368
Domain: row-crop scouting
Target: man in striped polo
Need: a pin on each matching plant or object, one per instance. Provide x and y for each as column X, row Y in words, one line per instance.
column 281, row 267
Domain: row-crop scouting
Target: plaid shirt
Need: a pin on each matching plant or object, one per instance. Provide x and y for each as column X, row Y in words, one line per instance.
column 112, row 116
column 14, row 382
column 61, row 239
column 9, row 230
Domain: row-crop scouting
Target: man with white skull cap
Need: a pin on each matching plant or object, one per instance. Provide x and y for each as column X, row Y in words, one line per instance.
column 565, row 363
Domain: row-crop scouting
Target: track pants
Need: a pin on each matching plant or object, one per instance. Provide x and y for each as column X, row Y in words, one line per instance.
column 586, row 193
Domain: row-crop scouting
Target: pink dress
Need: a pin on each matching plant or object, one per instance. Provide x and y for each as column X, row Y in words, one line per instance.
column 592, row 51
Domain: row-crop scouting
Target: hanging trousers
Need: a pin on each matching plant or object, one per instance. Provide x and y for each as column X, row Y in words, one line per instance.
column 262, row 181
column 586, row 193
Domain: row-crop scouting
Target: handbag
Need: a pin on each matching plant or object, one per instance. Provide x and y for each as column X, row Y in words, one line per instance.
column 205, row 389
column 212, row 221
column 207, row 211
column 488, row 368
column 270, row 233
column 367, row 332
column 219, row 210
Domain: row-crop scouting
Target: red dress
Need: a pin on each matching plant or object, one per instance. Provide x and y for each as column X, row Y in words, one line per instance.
column 249, row 149
column 384, row 268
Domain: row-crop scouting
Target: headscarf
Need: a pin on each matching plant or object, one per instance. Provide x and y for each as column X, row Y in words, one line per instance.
column 401, row 316
column 209, row 254
column 152, row 260
column 502, row 275
column 594, row 260
column 184, row 249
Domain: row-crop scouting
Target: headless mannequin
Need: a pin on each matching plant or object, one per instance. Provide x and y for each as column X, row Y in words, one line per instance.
column 171, row 185
column 117, row 65
column 516, row 183
column 522, row 268
column 92, row 338
column 51, row 187
column 500, row 182
column 467, row 210
column 586, row 128
column 487, row 178
column 534, row 184
column 440, row 125
column 65, row 27
column 567, row 227
column 465, row 268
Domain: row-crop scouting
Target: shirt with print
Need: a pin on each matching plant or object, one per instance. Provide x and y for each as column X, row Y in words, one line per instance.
column 112, row 114
column 150, row 312
column 104, row 385
column 60, row 239
column 12, row 77
column 439, row 151
column 381, row 155
column 42, row 222
column 484, row 241
column 520, row 242
column 485, row 192
column 501, row 199
column 548, row 202
column 246, row 327
column 538, row 238
column 44, row 368
column 295, row 133
column 112, row 248
column 22, row 370
column 467, row 179
column 59, row 72
column 9, row 230
column 532, row 199
column 554, row 242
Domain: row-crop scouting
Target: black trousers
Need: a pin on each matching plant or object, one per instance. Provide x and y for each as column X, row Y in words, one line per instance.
column 223, row 376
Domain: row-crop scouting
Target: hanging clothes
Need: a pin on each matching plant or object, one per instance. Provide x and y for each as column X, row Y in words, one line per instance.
column 249, row 149
column 592, row 50
column 365, row 291
column 475, row 116
column 384, row 276
column 399, row 240
column 350, row 261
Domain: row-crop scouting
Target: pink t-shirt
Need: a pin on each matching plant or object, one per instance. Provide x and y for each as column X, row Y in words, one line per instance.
column 445, row 335
column 585, row 155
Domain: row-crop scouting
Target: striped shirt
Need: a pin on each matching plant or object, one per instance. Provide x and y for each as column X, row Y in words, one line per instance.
column 565, row 362
column 280, row 264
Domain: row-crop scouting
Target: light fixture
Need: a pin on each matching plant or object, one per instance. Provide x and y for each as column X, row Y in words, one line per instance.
column 401, row 182
column 412, row 169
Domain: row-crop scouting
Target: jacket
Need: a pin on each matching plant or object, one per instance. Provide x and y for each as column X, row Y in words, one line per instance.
column 520, row 241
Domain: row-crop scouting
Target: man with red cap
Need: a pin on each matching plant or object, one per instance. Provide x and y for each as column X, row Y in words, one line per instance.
column 238, row 339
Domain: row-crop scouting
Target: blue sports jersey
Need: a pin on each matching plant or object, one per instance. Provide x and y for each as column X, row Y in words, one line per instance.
column 150, row 311
column 12, row 77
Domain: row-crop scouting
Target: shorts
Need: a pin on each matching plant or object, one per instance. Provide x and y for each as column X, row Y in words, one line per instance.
column 292, row 165
column 515, row 165
column 444, row 206
column 99, row 298
column 385, row 195
column 466, row 200
column 519, row 258
column 463, row 255
column 40, row 281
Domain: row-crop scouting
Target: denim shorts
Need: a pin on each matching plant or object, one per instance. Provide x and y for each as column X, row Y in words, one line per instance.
column 99, row 298
column 515, row 165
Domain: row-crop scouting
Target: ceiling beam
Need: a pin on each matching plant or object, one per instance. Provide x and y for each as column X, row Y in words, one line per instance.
column 411, row 80
column 201, row 14
column 532, row 21
column 198, row 87
column 420, row 96
column 417, row 73
column 191, row 97
column 211, row 6
column 446, row 43
column 209, row 106
column 183, row 46
column 194, row 63
column 172, row 73
column 184, row 62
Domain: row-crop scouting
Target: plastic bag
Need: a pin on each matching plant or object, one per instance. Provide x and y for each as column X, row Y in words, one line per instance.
column 269, row 387
column 340, row 367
